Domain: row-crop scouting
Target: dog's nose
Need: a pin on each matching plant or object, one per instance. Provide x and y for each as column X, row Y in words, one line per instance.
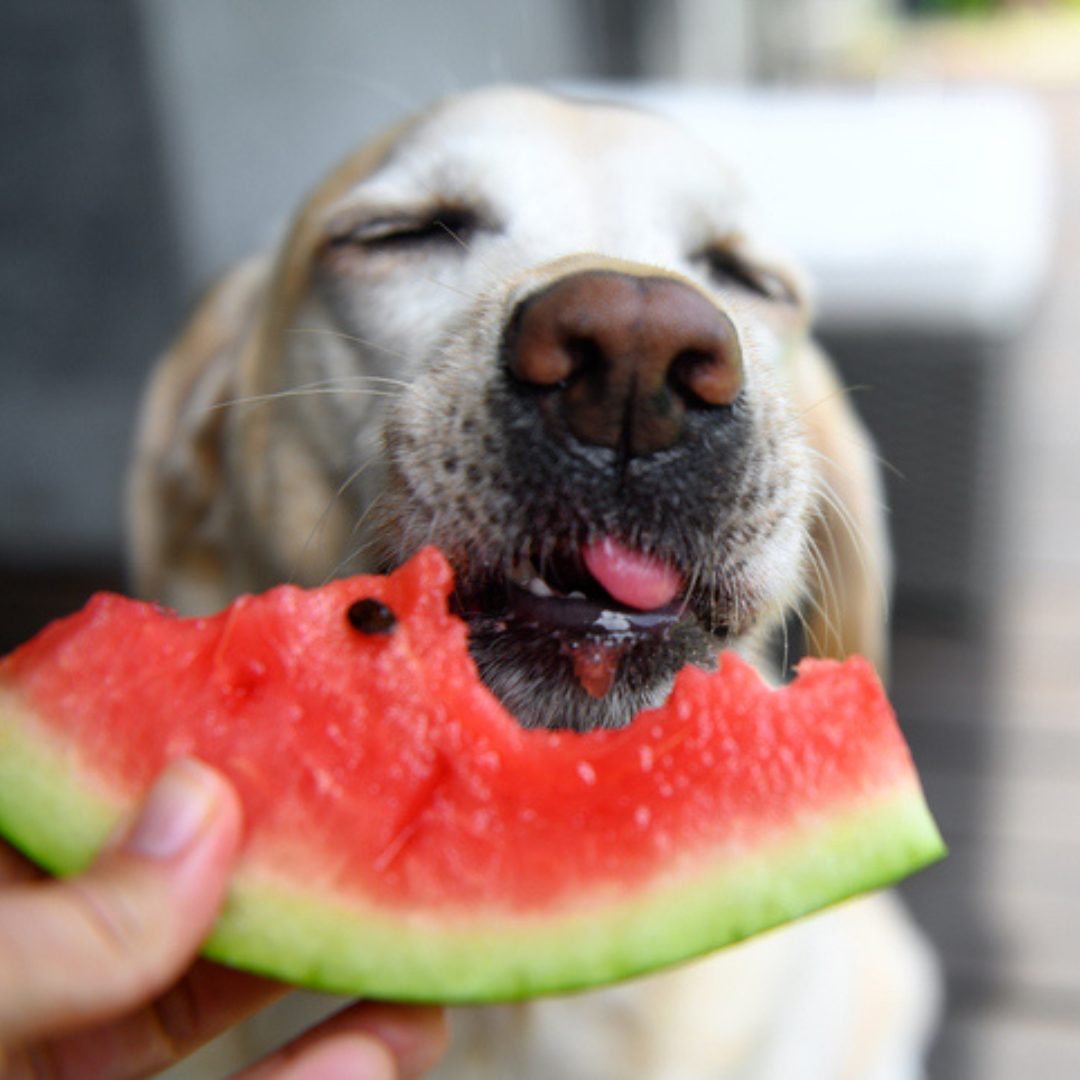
column 622, row 360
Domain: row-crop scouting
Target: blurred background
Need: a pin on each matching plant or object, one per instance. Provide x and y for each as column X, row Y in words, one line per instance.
column 922, row 158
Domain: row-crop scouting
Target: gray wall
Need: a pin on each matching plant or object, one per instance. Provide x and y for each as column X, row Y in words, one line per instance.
column 87, row 276
column 255, row 97
column 146, row 145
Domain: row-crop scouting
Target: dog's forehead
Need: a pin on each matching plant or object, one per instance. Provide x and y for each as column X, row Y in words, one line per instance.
column 497, row 143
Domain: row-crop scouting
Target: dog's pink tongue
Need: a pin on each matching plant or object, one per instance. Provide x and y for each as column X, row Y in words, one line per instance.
column 633, row 578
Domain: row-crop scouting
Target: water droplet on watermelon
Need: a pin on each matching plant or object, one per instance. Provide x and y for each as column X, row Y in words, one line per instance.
column 586, row 772
column 489, row 760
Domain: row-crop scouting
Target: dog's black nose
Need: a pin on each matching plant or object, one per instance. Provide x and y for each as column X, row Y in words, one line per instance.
column 621, row 360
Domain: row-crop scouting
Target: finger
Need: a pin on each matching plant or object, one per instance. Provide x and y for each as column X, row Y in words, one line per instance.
column 15, row 867
column 344, row 1057
column 209, row 1000
column 368, row 1041
column 87, row 950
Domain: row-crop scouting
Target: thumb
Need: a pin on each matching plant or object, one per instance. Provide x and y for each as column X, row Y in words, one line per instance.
column 83, row 951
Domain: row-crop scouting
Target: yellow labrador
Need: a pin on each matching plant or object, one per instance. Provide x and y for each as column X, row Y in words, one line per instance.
column 544, row 335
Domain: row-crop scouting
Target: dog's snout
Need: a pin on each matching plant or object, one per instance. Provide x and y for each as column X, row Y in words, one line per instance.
column 624, row 358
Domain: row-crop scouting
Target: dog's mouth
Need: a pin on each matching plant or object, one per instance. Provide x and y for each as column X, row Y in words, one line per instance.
column 601, row 601
column 583, row 636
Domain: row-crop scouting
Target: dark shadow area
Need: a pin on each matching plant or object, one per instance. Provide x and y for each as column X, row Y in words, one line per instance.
column 88, row 286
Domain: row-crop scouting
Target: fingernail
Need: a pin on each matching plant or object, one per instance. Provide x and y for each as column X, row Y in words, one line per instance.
column 175, row 812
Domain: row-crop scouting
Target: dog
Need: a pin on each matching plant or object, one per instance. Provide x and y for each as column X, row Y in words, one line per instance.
column 546, row 335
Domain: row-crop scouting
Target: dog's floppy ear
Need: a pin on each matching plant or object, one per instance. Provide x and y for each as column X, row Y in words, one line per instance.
column 851, row 573
column 223, row 492
column 178, row 512
column 222, row 495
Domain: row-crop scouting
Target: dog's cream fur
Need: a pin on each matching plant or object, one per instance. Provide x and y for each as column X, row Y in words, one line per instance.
column 328, row 411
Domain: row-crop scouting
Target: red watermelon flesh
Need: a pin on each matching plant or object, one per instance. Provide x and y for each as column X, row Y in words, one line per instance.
column 406, row 838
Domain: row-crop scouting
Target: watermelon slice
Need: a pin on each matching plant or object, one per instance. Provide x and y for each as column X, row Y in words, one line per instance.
column 407, row 839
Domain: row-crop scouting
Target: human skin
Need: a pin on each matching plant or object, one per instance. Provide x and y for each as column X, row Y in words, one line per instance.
column 99, row 974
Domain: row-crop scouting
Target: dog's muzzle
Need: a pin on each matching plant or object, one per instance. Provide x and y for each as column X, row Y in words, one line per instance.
column 610, row 381
column 619, row 360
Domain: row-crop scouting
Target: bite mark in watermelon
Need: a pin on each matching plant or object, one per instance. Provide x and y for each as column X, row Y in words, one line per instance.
column 407, row 839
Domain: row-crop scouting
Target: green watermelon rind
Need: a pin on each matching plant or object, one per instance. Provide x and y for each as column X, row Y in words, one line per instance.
column 487, row 960
column 50, row 811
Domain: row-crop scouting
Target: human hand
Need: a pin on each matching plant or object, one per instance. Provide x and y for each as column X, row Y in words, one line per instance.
column 98, row 976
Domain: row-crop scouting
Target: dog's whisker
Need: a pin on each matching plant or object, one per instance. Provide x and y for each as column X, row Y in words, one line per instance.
column 362, row 549
column 465, row 294
column 824, row 599
column 320, row 524
column 354, row 339
column 314, row 390
column 343, row 565
column 837, row 393
column 844, row 470
column 861, row 544
column 817, row 638
column 695, row 584
column 808, row 642
column 356, row 553
column 828, row 596
column 859, row 448
column 826, row 491
column 468, row 248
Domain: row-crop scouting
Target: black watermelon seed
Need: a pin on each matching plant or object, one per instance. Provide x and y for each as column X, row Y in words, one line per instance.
column 371, row 616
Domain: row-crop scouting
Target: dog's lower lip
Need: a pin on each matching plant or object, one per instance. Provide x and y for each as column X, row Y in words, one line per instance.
column 592, row 635
column 591, row 618
column 507, row 605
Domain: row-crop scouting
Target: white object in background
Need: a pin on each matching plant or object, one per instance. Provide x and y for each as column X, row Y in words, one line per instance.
column 924, row 209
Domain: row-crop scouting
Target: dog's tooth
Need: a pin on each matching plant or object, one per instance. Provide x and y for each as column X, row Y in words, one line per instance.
column 524, row 576
column 539, row 587
column 522, row 573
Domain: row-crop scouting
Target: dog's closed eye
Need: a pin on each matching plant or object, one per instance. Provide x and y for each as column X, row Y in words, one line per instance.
column 425, row 228
column 729, row 268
